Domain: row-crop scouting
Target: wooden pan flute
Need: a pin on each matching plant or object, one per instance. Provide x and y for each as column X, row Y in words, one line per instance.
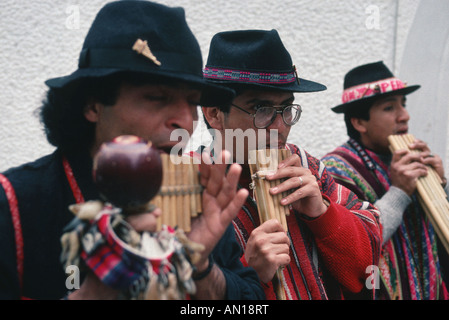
column 263, row 163
column 180, row 195
column 431, row 194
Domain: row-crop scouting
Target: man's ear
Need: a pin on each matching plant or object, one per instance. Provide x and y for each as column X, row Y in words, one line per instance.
column 92, row 111
column 214, row 117
column 359, row 124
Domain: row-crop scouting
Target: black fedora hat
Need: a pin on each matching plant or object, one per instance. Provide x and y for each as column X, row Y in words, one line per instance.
column 365, row 84
column 254, row 58
column 147, row 38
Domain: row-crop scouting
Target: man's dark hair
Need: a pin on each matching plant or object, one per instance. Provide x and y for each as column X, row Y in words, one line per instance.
column 360, row 112
column 62, row 112
column 238, row 89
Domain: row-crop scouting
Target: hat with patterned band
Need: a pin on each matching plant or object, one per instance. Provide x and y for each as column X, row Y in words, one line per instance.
column 365, row 84
column 254, row 58
column 146, row 38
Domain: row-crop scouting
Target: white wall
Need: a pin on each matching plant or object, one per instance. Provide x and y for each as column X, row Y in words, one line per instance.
column 326, row 38
column 427, row 60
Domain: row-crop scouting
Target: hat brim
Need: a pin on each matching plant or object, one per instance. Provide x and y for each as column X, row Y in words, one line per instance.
column 342, row 108
column 212, row 94
column 303, row 86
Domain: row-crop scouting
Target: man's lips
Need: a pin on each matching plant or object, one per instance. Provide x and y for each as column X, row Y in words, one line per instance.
column 402, row 131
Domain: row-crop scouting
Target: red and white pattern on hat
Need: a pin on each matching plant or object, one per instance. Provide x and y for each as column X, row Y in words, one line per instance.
column 373, row 88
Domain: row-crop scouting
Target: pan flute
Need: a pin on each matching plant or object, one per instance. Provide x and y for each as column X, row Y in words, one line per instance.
column 431, row 194
column 180, row 194
column 263, row 163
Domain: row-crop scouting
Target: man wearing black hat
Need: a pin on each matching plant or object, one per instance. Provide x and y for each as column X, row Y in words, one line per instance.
column 140, row 73
column 374, row 107
column 332, row 238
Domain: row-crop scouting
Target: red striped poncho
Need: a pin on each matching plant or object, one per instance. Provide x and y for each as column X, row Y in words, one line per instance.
column 329, row 255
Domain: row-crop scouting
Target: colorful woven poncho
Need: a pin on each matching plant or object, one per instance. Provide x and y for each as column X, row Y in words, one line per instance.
column 409, row 263
column 329, row 255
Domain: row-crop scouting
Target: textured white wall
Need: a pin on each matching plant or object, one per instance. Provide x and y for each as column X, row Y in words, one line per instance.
column 326, row 38
column 427, row 59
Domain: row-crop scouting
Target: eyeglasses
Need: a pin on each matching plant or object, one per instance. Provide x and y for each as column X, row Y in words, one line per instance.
column 265, row 115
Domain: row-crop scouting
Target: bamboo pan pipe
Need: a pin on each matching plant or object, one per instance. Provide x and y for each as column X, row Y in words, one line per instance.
column 431, row 194
column 180, row 194
column 263, row 163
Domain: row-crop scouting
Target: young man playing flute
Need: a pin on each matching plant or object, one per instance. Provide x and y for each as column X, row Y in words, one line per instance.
column 374, row 107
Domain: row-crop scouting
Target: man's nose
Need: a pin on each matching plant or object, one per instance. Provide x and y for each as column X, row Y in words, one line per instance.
column 404, row 116
column 278, row 122
column 182, row 115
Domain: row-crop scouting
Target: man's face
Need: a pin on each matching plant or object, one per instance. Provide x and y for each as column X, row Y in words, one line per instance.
column 148, row 111
column 237, row 119
column 387, row 116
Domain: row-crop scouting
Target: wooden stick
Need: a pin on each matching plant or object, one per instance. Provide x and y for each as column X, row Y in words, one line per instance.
column 165, row 199
column 268, row 167
column 183, row 213
column 268, row 206
column 196, row 179
column 285, row 154
column 278, row 283
column 441, row 227
column 157, row 201
column 432, row 181
column 172, row 197
column 282, row 209
column 273, row 166
column 193, row 197
column 431, row 194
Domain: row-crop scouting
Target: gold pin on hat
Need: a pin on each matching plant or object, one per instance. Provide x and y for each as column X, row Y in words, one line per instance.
column 296, row 74
column 142, row 48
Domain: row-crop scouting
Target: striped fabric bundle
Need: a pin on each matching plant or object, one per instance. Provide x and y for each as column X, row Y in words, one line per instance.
column 140, row 265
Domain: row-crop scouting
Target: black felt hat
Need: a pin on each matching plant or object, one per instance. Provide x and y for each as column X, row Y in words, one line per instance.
column 365, row 84
column 256, row 58
column 147, row 38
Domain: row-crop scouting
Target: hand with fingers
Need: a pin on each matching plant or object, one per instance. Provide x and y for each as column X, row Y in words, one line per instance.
column 221, row 202
column 267, row 249
column 305, row 196
column 405, row 169
column 430, row 159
